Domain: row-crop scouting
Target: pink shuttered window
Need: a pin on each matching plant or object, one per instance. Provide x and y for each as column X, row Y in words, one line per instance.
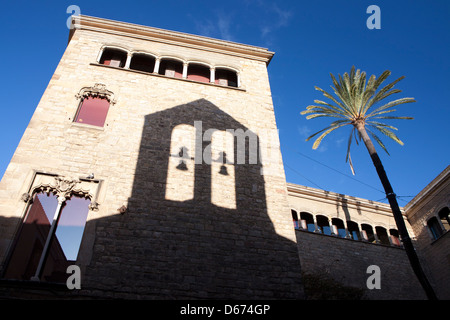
column 93, row 111
column 198, row 73
column 171, row 68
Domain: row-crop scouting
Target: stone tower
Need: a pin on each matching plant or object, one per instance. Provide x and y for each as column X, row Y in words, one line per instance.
column 152, row 162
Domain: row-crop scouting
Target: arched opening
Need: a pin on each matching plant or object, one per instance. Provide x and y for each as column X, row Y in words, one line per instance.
column 171, row 68
column 142, row 62
column 295, row 219
column 395, row 238
column 113, row 57
column 338, row 227
column 367, row 233
column 323, row 224
column 307, row 221
column 434, row 227
column 444, row 216
column 226, row 77
column 382, row 235
column 353, row 230
column 198, row 72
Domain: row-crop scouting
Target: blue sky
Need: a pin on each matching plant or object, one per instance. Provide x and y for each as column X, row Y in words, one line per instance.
column 311, row 39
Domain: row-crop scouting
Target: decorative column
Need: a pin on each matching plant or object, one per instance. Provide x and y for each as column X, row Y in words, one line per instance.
column 185, row 67
column 100, row 54
column 316, row 227
column 127, row 63
column 212, row 74
column 157, row 62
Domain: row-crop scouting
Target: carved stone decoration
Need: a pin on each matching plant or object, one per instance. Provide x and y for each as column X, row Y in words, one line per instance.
column 122, row 209
column 61, row 186
column 65, row 186
column 97, row 91
column 94, row 206
column 25, row 197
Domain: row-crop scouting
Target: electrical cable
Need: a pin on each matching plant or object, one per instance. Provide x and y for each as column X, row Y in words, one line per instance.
column 346, row 175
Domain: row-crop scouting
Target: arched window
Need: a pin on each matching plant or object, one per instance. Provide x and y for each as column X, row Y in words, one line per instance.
column 142, row 62
column 223, row 182
column 338, row 227
column 323, row 224
column 94, row 105
column 444, row 216
column 295, row 219
column 198, row 72
column 307, row 221
column 382, row 235
column 434, row 227
column 181, row 167
column 113, row 57
column 353, row 230
column 367, row 233
column 49, row 238
column 226, row 77
column 171, row 68
column 395, row 238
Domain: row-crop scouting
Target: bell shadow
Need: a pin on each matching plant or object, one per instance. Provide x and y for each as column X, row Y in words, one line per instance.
column 195, row 248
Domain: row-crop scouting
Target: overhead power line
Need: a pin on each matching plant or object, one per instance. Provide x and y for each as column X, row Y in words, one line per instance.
column 335, row 170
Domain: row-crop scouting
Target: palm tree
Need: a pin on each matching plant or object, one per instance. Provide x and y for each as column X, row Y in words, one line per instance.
column 355, row 105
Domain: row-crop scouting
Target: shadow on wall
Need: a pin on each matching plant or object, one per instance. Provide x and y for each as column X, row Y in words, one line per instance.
column 196, row 230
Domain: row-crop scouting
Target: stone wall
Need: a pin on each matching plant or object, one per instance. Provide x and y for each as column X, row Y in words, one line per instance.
column 341, row 265
column 434, row 253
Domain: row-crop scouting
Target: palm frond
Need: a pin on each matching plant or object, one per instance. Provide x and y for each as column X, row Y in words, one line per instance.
column 325, row 132
column 349, row 143
column 383, row 93
column 376, row 123
column 388, row 133
column 378, row 140
column 396, row 118
column 329, row 96
column 390, row 105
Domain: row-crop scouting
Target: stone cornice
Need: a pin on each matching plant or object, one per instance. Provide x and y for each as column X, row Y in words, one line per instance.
column 83, row 22
column 332, row 197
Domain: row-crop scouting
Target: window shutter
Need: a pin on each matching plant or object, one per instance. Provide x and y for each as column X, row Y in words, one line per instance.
column 93, row 111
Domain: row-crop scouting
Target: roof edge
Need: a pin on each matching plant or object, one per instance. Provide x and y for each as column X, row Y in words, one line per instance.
column 83, row 22
column 349, row 200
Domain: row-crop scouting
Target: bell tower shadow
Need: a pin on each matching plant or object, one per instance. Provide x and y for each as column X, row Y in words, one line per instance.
column 193, row 246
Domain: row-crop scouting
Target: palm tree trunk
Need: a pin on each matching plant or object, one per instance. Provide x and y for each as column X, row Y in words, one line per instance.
column 407, row 243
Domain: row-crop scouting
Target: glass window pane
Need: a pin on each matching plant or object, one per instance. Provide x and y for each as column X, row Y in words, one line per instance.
column 93, row 111
column 435, row 228
column 66, row 242
column 71, row 225
column 31, row 240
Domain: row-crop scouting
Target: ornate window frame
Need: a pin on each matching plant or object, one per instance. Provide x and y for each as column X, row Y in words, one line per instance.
column 98, row 90
column 64, row 188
